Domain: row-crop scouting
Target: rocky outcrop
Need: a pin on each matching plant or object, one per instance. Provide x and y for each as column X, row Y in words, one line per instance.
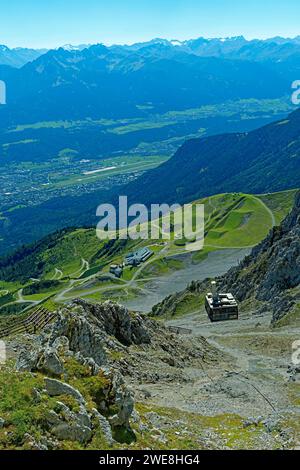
column 123, row 402
column 50, row 362
column 87, row 330
column 92, row 358
column 104, row 425
column 272, row 271
column 55, row 388
column 65, row 424
column 87, row 334
column 116, row 321
column 27, row 360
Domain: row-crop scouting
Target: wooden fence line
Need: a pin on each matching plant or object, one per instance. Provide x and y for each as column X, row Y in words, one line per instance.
column 37, row 320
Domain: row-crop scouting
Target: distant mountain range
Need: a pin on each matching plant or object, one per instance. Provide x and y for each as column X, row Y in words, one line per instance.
column 242, row 49
column 98, row 81
column 18, row 56
column 266, row 159
column 230, row 47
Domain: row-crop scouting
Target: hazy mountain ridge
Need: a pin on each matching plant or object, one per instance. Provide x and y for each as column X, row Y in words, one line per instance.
column 101, row 82
column 233, row 47
column 19, row 56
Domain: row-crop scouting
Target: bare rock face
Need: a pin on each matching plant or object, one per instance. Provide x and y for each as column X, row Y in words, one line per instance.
column 42, row 359
column 123, row 401
column 116, row 321
column 90, row 330
column 50, row 362
column 104, row 425
column 27, row 360
column 72, row 432
column 82, row 334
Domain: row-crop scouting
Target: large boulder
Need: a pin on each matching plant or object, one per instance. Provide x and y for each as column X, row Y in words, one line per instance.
column 50, row 363
column 72, row 432
column 123, row 401
column 56, row 387
column 65, row 424
column 27, row 360
column 104, row 426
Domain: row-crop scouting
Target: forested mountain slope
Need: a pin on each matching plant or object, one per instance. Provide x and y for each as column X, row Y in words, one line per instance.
column 264, row 160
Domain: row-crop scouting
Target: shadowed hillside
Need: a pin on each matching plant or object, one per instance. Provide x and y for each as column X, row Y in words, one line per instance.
column 264, row 160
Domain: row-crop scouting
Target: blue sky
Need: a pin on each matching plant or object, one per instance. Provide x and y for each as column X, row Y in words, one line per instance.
column 50, row 23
